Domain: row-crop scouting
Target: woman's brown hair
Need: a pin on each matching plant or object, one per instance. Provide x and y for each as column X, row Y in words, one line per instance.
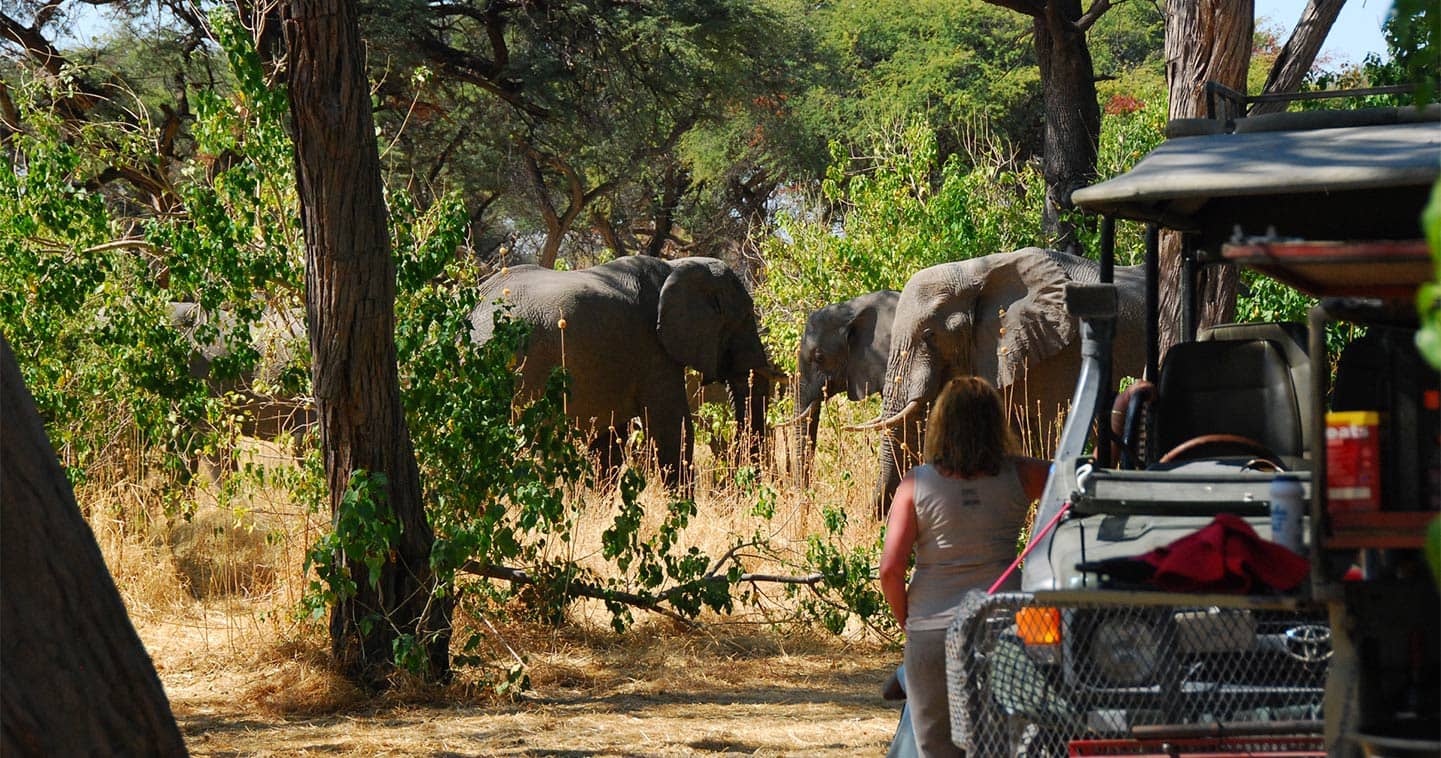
column 967, row 433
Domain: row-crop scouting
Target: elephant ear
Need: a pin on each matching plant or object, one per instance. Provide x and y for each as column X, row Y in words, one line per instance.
column 690, row 316
column 860, row 341
column 1021, row 316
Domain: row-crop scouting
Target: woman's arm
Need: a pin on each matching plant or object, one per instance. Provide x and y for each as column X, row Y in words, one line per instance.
column 1033, row 473
column 896, row 554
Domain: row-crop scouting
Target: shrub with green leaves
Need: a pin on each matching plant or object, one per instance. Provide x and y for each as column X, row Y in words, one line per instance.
column 884, row 216
column 90, row 273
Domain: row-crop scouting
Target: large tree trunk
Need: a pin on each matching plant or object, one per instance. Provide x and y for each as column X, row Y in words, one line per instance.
column 1073, row 116
column 1299, row 52
column 74, row 677
column 1206, row 40
column 350, row 306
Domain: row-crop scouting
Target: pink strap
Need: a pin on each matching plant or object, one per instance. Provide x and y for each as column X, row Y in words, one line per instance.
column 1035, row 540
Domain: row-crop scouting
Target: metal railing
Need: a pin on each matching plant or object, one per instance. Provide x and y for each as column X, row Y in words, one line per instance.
column 1225, row 103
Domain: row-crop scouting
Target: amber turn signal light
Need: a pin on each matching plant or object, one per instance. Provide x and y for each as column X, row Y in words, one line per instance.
column 1039, row 626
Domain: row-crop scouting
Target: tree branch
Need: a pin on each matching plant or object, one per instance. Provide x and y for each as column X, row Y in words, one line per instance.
column 635, row 600
column 1090, row 17
column 9, row 114
column 479, row 71
column 1028, row 7
column 608, row 233
column 49, row 59
column 1298, row 53
column 547, row 208
column 450, row 147
column 33, row 44
column 579, row 589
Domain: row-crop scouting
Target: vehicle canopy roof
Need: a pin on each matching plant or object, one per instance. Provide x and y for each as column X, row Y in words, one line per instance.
column 1313, row 174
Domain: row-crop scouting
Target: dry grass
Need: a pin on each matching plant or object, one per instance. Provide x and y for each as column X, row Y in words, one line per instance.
column 214, row 598
column 653, row 691
column 214, row 601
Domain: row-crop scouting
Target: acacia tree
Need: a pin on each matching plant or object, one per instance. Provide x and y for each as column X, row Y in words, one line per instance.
column 74, row 676
column 1073, row 114
column 582, row 105
column 1211, row 41
column 350, row 310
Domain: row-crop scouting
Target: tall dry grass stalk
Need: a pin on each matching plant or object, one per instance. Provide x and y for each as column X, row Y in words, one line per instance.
column 239, row 559
column 221, row 590
column 229, row 572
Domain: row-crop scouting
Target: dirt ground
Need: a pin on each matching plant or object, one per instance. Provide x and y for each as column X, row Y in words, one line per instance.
column 652, row 691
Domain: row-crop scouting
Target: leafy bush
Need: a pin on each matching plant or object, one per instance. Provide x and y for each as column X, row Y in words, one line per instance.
column 90, row 273
column 895, row 211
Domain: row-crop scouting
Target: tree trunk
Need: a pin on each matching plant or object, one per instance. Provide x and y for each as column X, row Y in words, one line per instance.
column 74, row 677
column 1206, row 40
column 1073, row 116
column 672, row 184
column 350, row 307
column 1299, row 52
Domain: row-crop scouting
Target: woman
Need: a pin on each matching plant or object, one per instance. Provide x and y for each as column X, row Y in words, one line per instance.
column 960, row 513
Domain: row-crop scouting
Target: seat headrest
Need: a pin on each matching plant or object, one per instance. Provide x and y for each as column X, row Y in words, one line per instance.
column 1241, row 387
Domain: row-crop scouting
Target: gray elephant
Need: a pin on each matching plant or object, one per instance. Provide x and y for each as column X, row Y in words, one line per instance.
column 253, row 395
column 626, row 330
column 1002, row 317
column 844, row 349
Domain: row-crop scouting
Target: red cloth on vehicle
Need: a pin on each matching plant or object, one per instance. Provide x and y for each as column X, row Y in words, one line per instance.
column 1225, row 556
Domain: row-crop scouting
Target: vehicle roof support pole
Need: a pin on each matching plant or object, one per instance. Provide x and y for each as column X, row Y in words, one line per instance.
column 1094, row 305
column 1106, row 381
column 1153, row 301
column 1189, row 269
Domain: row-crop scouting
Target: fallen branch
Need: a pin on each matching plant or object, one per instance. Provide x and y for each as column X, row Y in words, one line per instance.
column 647, row 601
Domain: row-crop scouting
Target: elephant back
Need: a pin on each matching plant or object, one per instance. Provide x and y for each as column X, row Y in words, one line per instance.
column 1129, row 347
column 1079, row 269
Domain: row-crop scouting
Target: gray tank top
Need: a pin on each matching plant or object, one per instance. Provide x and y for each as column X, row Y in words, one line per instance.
column 966, row 532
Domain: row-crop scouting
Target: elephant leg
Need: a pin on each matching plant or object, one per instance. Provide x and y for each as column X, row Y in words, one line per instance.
column 668, row 423
column 607, row 447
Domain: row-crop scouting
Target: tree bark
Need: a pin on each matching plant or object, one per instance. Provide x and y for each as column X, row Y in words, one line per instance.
column 1206, row 40
column 672, row 184
column 1073, row 115
column 350, row 307
column 74, row 676
column 1299, row 52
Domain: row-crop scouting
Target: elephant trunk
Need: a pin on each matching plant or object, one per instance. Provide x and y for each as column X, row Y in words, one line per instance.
column 900, row 450
column 810, row 396
column 901, row 442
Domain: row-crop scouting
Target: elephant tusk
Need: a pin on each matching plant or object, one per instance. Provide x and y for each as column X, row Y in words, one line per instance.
column 864, row 425
column 805, row 414
column 887, row 423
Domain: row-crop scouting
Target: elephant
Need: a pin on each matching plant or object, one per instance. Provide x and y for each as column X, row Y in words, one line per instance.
column 1002, row 317
column 279, row 338
column 844, row 349
column 626, row 330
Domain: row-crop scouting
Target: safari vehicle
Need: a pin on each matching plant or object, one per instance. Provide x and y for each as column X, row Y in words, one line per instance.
column 1096, row 655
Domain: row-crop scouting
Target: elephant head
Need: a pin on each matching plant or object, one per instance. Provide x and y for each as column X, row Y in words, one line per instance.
column 844, row 349
column 255, row 391
column 706, row 320
column 1002, row 317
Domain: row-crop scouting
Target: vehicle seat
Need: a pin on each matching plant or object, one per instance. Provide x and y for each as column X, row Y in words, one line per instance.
column 1292, row 338
column 1240, row 387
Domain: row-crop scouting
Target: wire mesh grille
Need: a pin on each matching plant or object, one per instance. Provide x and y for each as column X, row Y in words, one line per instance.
column 1032, row 679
